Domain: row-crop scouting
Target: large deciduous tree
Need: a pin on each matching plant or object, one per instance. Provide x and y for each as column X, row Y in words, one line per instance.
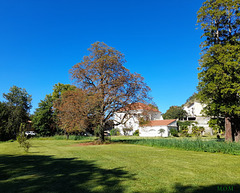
column 103, row 76
column 219, row 77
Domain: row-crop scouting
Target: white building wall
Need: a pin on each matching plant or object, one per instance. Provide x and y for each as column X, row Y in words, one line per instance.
column 133, row 120
column 156, row 116
column 194, row 110
column 153, row 131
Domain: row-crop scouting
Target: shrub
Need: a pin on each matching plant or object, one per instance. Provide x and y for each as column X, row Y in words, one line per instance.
column 174, row 132
column 126, row 130
column 197, row 130
column 22, row 139
column 161, row 131
column 136, row 133
column 114, row 132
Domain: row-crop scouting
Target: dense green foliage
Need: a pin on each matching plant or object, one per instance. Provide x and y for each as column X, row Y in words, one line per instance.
column 197, row 130
column 219, row 77
column 190, row 145
column 14, row 112
column 175, row 112
column 44, row 119
column 59, row 89
column 114, row 132
column 4, row 114
column 217, row 124
column 174, row 132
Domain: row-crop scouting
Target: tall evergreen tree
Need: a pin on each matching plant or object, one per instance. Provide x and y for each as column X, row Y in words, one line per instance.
column 219, row 77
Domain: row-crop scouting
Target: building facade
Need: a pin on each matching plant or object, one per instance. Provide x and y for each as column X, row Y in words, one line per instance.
column 194, row 113
column 130, row 117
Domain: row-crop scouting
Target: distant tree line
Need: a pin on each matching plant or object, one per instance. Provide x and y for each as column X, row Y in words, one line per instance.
column 102, row 86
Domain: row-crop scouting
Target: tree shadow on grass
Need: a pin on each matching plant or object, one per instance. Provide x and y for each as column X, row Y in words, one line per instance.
column 235, row 188
column 32, row 173
column 217, row 188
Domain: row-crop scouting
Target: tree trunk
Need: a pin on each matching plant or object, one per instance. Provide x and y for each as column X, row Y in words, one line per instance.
column 228, row 130
column 236, row 130
column 237, row 134
column 101, row 134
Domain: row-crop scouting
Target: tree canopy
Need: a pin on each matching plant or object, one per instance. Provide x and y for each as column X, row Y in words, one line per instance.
column 44, row 121
column 14, row 112
column 103, row 77
column 219, row 76
column 45, row 117
column 175, row 112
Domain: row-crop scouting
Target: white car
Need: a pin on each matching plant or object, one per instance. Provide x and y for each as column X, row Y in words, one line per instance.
column 30, row 133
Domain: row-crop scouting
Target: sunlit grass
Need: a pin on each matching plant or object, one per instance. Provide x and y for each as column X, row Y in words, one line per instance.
column 61, row 166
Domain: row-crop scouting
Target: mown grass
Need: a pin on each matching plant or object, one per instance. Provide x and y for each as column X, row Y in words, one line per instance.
column 196, row 144
column 62, row 166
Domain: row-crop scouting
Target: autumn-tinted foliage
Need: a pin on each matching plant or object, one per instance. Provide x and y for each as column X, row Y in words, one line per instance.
column 103, row 77
column 45, row 121
column 76, row 111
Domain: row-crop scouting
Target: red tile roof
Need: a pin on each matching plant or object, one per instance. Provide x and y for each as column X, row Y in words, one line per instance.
column 138, row 106
column 160, row 122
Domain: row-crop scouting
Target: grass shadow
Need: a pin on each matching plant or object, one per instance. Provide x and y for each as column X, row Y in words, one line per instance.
column 234, row 188
column 31, row 173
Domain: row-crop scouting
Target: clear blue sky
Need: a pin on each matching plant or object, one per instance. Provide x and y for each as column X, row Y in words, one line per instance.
column 41, row 40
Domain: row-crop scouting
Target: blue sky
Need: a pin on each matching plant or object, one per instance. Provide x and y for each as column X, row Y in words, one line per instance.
column 41, row 40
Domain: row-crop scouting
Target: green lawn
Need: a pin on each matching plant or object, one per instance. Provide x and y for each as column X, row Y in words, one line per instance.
column 58, row 166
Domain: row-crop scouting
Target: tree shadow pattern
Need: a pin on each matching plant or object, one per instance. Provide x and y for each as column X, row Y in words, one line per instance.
column 218, row 188
column 32, row 173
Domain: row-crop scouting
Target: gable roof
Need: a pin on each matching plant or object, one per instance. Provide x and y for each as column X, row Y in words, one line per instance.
column 160, row 122
column 138, row 106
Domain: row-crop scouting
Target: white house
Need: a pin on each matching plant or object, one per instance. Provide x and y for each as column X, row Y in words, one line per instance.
column 194, row 114
column 130, row 115
column 152, row 129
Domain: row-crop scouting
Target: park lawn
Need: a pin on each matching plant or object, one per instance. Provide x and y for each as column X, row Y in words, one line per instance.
column 61, row 166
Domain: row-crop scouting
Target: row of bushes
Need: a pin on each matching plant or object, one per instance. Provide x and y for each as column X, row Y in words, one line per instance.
column 191, row 145
column 116, row 132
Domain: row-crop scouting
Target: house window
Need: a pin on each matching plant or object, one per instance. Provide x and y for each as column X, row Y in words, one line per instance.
column 191, row 118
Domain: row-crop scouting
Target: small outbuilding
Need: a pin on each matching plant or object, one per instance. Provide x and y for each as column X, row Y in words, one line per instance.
column 158, row 128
